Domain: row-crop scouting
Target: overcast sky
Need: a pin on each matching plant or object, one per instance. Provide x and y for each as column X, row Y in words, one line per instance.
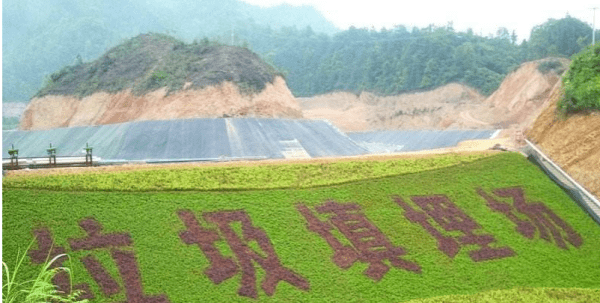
column 484, row 17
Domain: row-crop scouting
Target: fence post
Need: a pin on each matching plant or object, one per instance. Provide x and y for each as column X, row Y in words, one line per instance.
column 88, row 154
column 14, row 157
column 51, row 155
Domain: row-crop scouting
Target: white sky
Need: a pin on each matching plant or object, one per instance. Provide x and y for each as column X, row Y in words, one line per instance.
column 484, row 17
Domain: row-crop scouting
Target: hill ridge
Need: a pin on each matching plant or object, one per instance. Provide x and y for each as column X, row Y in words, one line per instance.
column 157, row 77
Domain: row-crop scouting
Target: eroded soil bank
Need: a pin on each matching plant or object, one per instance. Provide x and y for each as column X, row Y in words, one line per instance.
column 572, row 142
column 53, row 111
column 514, row 105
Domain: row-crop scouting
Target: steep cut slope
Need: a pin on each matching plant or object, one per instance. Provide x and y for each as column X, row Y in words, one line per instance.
column 430, row 109
column 522, row 95
column 573, row 142
column 225, row 99
column 515, row 104
column 155, row 77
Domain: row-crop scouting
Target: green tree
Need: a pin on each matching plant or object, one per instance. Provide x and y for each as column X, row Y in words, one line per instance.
column 559, row 37
column 582, row 82
column 428, row 74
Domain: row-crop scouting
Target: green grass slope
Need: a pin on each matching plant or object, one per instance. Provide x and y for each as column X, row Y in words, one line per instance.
column 275, row 176
column 522, row 295
column 170, row 267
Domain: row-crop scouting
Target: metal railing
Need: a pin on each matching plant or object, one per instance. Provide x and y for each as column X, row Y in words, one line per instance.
column 48, row 161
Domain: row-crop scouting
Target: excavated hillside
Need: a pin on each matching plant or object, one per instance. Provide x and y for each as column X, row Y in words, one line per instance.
column 156, row 77
column 573, row 142
column 523, row 94
column 514, row 105
column 439, row 108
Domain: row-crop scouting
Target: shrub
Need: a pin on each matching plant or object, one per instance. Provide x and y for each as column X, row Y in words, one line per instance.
column 39, row 289
column 582, row 82
column 551, row 65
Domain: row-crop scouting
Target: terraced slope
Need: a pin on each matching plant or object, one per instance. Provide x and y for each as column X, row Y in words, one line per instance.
column 487, row 224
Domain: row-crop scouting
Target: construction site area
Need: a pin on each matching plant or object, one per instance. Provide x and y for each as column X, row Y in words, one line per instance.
column 204, row 122
column 200, row 153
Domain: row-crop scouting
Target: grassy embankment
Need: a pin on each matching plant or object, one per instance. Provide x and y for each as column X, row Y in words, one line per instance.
column 135, row 202
column 296, row 175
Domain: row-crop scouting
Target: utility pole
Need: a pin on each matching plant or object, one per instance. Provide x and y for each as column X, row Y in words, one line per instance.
column 594, row 27
column 232, row 34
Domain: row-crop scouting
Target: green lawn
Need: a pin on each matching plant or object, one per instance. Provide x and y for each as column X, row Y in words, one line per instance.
column 522, row 295
column 272, row 176
column 177, row 270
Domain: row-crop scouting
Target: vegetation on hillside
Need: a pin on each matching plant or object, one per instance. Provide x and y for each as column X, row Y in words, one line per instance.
column 565, row 37
column 581, row 83
column 40, row 37
column 552, row 64
column 173, row 267
column 151, row 61
column 317, row 58
column 521, row 295
column 401, row 59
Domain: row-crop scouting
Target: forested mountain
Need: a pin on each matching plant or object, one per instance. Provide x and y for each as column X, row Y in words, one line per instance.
column 42, row 36
column 566, row 37
column 397, row 60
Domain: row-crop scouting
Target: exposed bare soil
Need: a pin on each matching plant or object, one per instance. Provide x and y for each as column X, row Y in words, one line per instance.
column 521, row 96
column 514, row 105
column 524, row 95
column 572, row 142
column 156, row 77
column 225, row 99
column 439, row 108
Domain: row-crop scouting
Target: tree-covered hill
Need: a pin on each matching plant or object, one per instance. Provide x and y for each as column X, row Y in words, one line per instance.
column 41, row 37
column 402, row 59
column 151, row 61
